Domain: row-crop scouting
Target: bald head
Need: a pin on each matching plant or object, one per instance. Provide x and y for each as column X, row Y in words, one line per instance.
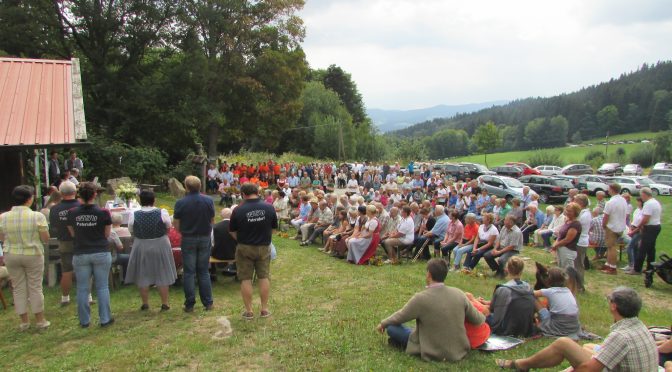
column 226, row 213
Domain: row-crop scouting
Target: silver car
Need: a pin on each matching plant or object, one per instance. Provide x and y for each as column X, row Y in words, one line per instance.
column 502, row 186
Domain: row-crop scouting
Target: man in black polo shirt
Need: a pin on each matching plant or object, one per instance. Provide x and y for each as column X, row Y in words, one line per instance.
column 58, row 220
column 194, row 216
column 252, row 224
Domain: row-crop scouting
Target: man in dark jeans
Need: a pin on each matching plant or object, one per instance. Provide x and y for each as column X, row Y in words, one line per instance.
column 194, row 217
column 651, row 213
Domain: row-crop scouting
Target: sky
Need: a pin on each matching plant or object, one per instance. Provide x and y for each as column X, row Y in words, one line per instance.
column 409, row 54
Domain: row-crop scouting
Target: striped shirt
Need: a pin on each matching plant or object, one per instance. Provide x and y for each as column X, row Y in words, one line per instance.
column 21, row 227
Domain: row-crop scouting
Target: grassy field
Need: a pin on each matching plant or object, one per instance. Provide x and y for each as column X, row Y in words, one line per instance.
column 568, row 155
column 324, row 314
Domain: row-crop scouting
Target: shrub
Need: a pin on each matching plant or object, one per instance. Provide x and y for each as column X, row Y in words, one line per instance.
column 643, row 156
column 594, row 159
column 107, row 160
column 544, row 158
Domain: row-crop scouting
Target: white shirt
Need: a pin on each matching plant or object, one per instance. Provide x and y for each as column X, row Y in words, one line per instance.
column 652, row 209
column 407, row 228
column 484, row 235
column 353, row 185
column 213, row 174
column 617, row 209
column 636, row 218
column 585, row 218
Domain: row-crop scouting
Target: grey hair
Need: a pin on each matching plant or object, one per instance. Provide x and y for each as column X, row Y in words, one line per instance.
column 646, row 190
column 627, row 301
column 117, row 218
column 67, row 188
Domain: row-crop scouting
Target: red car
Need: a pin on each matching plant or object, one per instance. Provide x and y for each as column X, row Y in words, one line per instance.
column 527, row 170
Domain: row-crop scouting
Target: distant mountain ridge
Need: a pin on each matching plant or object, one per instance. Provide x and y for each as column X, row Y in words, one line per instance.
column 391, row 120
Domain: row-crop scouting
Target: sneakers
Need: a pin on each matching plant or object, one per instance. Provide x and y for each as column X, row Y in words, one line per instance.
column 24, row 327
column 43, row 325
column 631, row 272
column 65, row 301
column 105, row 325
column 626, row 268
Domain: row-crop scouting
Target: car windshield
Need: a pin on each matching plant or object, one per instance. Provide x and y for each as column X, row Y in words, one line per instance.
column 645, row 181
column 512, row 182
column 563, row 183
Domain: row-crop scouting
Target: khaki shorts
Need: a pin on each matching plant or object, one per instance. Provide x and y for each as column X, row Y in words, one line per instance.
column 65, row 249
column 251, row 259
column 610, row 238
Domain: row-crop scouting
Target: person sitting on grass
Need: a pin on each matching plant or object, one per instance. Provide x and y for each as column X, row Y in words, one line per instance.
column 628, row 347
column 439, row 310
column 477, row 334
column 561, row 318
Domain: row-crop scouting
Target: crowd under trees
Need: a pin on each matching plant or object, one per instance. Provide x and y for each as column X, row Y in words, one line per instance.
column 161, row 76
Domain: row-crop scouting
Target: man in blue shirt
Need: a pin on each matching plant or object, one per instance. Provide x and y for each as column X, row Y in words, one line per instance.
column 194, row 217
column 438, row 231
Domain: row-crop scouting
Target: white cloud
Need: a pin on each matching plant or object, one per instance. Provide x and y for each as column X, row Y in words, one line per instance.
column 411, row 54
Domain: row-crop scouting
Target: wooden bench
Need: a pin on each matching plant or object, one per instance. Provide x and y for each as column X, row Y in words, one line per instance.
column 215, row 261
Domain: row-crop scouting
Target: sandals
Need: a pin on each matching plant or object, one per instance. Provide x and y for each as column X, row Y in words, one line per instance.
column 248, row 315
column 508, row 364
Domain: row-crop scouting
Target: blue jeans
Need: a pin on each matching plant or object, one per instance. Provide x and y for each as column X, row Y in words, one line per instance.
column 632, row 248
column 399, row 334
column 459, row 251
column 196, row 261
column 472, row 259
column 546, row 237
column 98, row 265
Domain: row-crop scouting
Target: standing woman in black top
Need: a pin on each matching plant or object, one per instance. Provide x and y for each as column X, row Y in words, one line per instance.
column 90, row 227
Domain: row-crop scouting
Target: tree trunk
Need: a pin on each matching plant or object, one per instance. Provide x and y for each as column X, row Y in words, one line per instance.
column 213, row 140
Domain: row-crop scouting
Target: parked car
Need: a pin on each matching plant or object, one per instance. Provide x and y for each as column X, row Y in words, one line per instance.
column 476, row 170
column 456, row 171
column 662, row 166
column 572, row 179
column 503, row 187
column 660, row 171
column 592, row 183
column 610, row 169
column 508, row 170
column 526, row 168
column 633, row 185
column 577, row 169
column 549, row 170
column 632, row 170
column 665, row 179
column 549, row 188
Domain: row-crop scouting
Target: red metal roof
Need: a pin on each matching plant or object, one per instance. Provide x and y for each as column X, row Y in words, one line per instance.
column 37, row 104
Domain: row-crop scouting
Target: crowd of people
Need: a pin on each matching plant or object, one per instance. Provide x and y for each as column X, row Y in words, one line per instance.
column 358, row 212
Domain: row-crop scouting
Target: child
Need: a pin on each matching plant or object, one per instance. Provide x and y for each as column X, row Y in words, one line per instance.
column 561, row 318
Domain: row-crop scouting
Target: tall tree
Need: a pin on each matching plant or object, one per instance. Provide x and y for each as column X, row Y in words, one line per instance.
column 487, row 137
column 257, row 67
column 608, row 120
column 341, row 82
column 662, row 104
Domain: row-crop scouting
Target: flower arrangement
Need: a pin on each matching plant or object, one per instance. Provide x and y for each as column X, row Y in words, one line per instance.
column 126, row 191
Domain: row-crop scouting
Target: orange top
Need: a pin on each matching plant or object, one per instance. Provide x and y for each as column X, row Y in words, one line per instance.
column 254, row 180
column 470, row 231
column 477, row 334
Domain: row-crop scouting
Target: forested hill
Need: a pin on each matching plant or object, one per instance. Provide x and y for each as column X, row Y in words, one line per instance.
column 635, row 101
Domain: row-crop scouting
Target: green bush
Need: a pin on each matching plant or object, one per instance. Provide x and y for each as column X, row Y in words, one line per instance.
column 594, row 158
column 105, row 160
column 544, row 158
column 643, row 156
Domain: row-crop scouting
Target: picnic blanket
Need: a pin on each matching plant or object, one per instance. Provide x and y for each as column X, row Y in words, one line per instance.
column 497, row 343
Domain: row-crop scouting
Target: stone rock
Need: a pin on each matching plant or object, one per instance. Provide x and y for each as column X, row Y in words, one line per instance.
column 114, row 182
column 176, row 188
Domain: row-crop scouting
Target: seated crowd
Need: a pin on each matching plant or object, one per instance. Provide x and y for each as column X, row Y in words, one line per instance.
column 354, row 213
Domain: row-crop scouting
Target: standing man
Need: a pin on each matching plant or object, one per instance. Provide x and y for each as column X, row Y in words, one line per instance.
column 74, row 162
column 58, row 220
column 615, row 213
column 651, row 212
column 585, row 218
column 509, row 243
column 252, row 224
column 193, row 218
column 54, row 169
